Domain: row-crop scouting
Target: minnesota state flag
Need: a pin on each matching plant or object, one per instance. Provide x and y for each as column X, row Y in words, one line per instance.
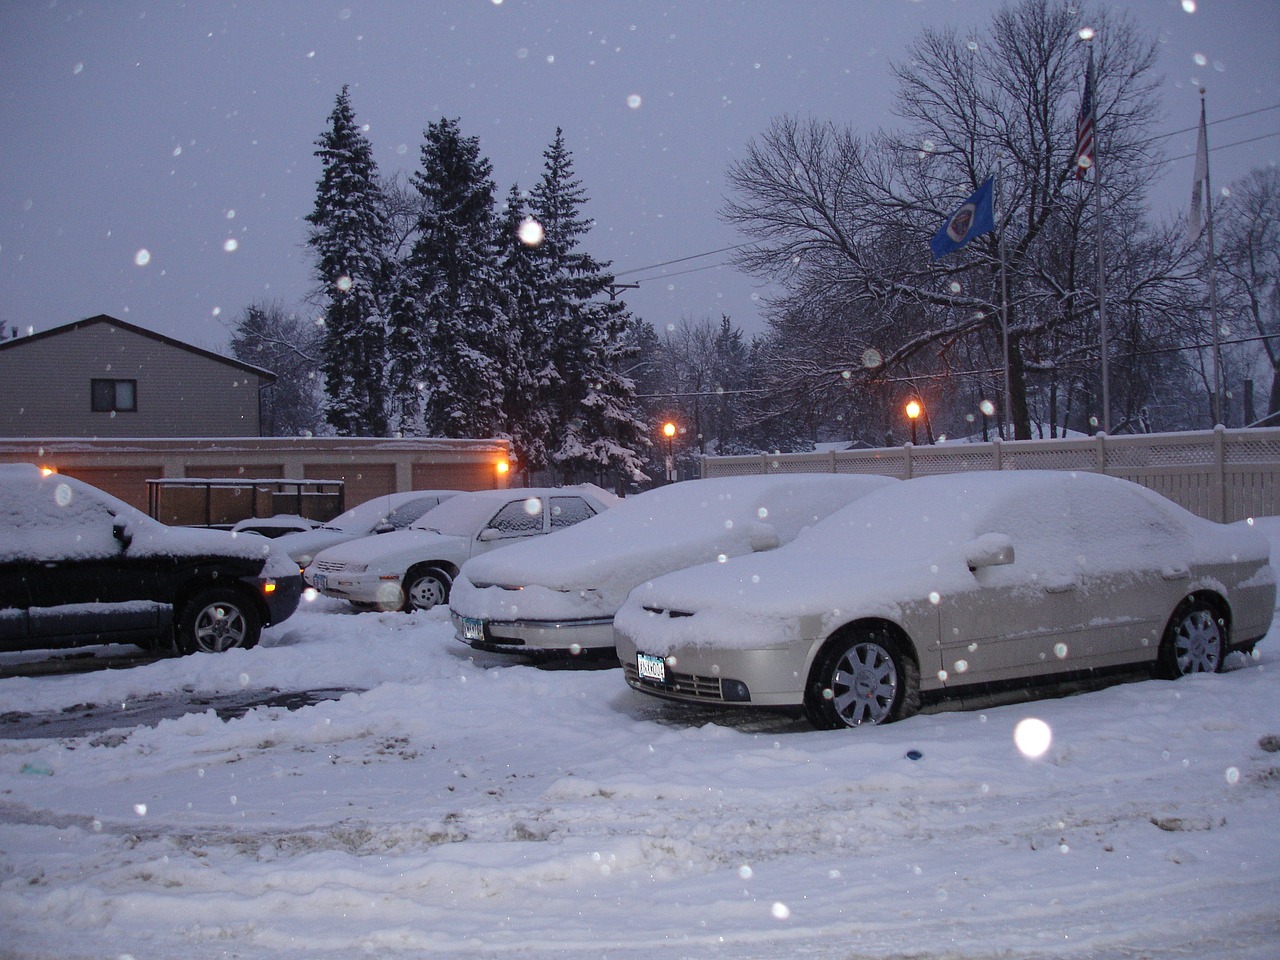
column 974, row 218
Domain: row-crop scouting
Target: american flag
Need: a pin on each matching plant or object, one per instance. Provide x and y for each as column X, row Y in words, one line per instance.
column 1084, row 124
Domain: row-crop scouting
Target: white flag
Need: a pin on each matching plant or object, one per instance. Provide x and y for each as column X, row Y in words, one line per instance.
column 1195, row 219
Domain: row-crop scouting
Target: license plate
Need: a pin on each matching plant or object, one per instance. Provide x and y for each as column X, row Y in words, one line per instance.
column 651, row 668
column 321, row 582
column 472, row 629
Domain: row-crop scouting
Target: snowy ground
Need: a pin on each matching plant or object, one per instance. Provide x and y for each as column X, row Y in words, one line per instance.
column 467, row 806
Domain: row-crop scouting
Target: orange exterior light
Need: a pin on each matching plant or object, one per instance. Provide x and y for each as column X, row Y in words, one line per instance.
column 669, row 429
column 913, row 409
column 46, row 471
column 502, row 467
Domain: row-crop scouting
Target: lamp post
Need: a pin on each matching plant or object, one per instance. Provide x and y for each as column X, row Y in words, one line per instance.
column 913, row 413
column 669, row 431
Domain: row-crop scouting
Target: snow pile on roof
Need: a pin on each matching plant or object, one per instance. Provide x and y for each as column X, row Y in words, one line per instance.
column 56, row 517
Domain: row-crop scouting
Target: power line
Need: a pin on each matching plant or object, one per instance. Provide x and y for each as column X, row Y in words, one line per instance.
column 1237, row 116
column 1162, row 136
column 1261, row 136
column 1148, row 352
column 695, row 256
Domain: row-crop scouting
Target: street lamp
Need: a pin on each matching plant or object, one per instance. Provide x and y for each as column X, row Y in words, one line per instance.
column 669, row 431
column 913, row 413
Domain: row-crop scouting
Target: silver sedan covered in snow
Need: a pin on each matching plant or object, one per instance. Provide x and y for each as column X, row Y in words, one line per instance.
column 942, row 585
column 558, row 595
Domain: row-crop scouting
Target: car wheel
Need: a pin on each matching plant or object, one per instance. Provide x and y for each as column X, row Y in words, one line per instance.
column 216, row 620
column 862, row 676
column 1195, row 641
column 424, row 589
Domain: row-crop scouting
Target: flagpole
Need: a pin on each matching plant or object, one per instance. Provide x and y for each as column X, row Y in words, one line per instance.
column 1104, row 346
column 1213, row 272
column 1004, row 301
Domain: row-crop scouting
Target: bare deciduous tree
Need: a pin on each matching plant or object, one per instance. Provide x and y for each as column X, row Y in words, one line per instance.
column 842, row 223
column 1249, row 265
column 291, row 347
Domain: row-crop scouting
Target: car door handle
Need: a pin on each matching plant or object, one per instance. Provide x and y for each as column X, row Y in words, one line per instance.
column 1063, row 585
column 1178, row 572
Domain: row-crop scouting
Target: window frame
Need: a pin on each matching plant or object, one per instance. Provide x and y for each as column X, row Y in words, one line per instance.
column 113, row 405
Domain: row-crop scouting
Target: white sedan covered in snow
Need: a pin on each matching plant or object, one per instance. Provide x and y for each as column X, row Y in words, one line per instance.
column 382, row 514
column 414, row 569
column 558, row 596
column 949, row 584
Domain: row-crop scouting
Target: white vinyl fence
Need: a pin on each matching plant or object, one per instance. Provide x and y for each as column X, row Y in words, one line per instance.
column 1224, row 475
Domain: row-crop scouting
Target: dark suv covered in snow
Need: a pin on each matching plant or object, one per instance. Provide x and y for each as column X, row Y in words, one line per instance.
column 79, row 567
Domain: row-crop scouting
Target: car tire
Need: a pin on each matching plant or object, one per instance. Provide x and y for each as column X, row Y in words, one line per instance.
column 217, row 620
column 1195, row 640
column 426, row 588
column 863, row 675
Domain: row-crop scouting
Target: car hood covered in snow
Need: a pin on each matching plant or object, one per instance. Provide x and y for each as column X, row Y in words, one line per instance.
column 587, row 570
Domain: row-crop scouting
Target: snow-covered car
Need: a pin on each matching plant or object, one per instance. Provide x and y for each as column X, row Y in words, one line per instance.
column 274, row 527
column 414, row 569
column 558, row 596
column 384, row 514
column 941, row 585
column 79, row 567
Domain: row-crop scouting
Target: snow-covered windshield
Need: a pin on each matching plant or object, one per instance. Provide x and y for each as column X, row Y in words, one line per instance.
column 465, row 514
column 397, row 509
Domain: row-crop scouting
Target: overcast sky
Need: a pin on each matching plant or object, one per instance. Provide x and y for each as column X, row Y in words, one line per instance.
column 187, row 130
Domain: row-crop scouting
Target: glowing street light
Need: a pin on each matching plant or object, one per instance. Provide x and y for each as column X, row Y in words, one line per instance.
column 669, row 431
column 913, row 414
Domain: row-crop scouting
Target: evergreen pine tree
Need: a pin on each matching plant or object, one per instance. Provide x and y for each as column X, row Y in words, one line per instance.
column 525, row 353
column 590, row 400
column 445, row 324
column 349, row 234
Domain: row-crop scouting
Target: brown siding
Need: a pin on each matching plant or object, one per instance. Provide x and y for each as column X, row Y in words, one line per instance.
column 127, row 483
column 368, row 467
column 363, row 483
column 454, row 476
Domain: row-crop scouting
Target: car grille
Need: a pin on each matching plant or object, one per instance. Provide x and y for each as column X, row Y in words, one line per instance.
column 329, row 566
column 684, row 685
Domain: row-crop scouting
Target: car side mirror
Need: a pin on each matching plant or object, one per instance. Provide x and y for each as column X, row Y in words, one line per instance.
column 121, row 532
column 384, row 527
column 989, row 550
column 763, row 537
column 489, row 534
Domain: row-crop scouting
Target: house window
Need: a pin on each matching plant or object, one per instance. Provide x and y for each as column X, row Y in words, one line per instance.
column 112, row 396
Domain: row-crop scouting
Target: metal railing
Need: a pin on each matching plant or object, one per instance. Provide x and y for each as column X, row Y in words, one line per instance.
column 1224, row 475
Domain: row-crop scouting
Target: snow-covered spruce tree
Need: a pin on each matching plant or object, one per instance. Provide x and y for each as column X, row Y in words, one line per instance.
column 348, row 233
column 524, row 359
column 591, row 401
column 445, row 337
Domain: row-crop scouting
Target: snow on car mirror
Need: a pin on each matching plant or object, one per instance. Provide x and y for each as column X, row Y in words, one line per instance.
column 488, row 534
column 120, row 531
column 989, row 550
column 762, row 536
column 384, row 527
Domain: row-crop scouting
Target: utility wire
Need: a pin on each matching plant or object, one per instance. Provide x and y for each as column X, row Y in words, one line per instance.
column 1211, row 123
column 695, row 256
column 1162, row 136
column 1261, row 136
